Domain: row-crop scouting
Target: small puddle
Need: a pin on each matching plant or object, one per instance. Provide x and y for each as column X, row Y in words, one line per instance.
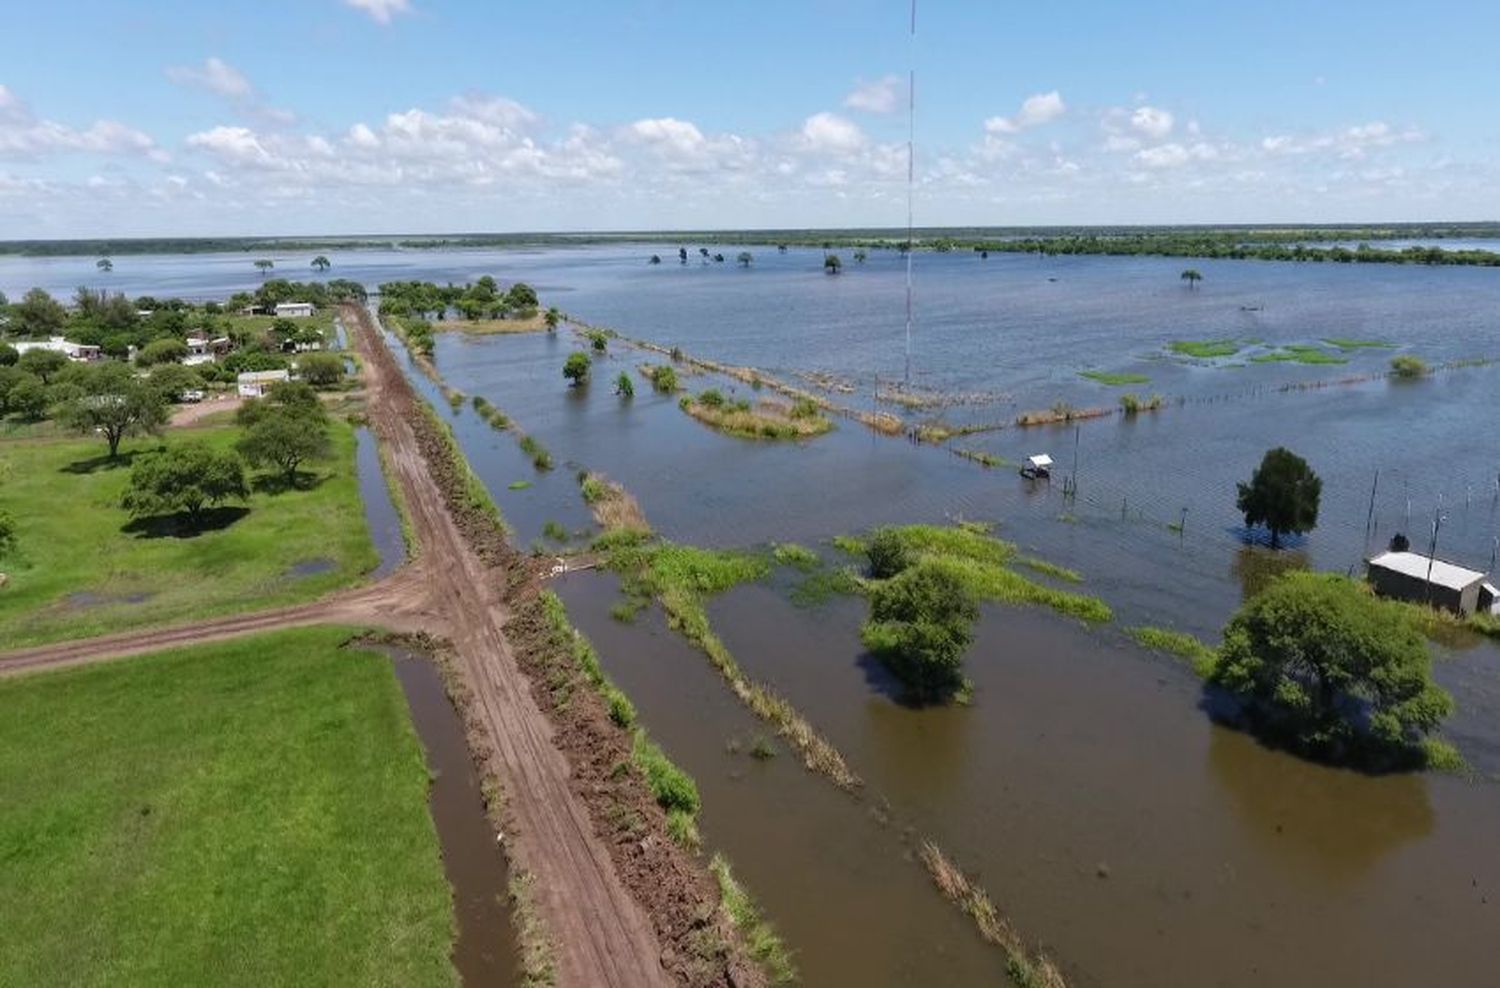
column 83, row 599
column 485, row 952
column 311, row 567
column 381, row 516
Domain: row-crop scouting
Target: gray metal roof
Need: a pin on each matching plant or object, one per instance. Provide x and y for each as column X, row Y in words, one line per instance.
column 1414, row 564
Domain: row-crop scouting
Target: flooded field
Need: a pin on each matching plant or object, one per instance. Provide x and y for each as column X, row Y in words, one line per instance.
column 1086, row 787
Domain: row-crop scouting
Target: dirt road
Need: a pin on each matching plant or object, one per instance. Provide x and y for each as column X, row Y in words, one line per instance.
column 599, row 934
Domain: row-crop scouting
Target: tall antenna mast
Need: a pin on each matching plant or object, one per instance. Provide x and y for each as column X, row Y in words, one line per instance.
column 911, row 154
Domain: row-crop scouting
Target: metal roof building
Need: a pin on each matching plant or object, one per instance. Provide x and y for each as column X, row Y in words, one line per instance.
column 1423, row 579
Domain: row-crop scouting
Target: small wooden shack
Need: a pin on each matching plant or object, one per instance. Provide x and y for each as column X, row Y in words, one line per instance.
column 1425, row 580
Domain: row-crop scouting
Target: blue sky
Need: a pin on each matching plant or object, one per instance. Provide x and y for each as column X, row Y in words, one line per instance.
column 338, row 116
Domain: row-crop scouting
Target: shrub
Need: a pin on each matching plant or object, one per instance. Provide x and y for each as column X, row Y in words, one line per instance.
column 802, row 408
column 712, row 398
column 921, row 623
column 577, row 368
column 888, row 554
column 673, row 788
column 1408, row 367
column 624, row 387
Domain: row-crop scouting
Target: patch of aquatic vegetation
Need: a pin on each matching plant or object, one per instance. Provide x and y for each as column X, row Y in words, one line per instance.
column 1132, row 404
column 759, row 935
column 799, row 557
column 765, row 419
column 1027, row 969
column 982, row 563
column 613, row 507
column 1346, row 343
column 681, row 579
column 824, row 584
column 1298, row 353
column 1205, row 349
column 986, row 460
column 1179, row 643
column 1115, row 380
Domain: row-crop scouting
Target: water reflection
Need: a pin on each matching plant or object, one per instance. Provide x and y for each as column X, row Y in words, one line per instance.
column 1257, row 567
column 1313, row 820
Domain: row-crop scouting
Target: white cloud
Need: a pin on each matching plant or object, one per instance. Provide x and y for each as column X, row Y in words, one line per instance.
column 1175, row 155
column 381, row 11
column 1152, row 122
column 1036, row 110
column 881, row 96
column 829, row 133
column 678, row 136
column 1350, row 142
column 215, row 75
column 24, row 135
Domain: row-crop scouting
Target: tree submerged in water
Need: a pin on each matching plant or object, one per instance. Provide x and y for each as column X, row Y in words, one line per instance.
column 1282, row 495
column 1322, row 665
column 921, row 624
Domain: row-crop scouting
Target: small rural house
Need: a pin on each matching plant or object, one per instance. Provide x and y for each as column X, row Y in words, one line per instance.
column 294, row 310
column 255, row 384
column 202, row 350
column 1423, row 579
column 78, row 352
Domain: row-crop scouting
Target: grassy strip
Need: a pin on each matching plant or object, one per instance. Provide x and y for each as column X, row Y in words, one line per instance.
column 1345, row 343
column 239, row 813
column 500, row 422
column 1115, row 380
column 1179, row 643
column 763, row 420
column 495, row 418
column 759, row 935
column 1061, row 413
column 1049, row 569
column 398, row 500
column 1205, row 349
column 538, row 955
column 81, row 567
column 491, row 327
column 475, row 496
column 681, row 578
column 540, row 457
column 1026, row 969
column 986, row 460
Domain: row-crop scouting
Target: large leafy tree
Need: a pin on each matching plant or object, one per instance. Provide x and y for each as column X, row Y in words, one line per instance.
column 8, row 355
column 1283, row 495
column 1321, row 664
column 38, row 314
column 576, row 368
column 110, row 400
column 44, row 364
column 184, row 479
column 284, row 430
column 321, row 370
column 921, row 623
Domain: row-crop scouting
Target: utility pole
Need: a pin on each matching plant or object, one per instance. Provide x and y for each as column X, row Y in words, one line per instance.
column 911, row 168
column 1370, row 516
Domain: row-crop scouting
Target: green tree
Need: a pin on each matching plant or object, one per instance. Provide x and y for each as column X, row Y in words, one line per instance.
column 624, row 386
column 321, row 370
column 184, row 479
column 8, row 355
column 45, row 364
column 163, row 351
column 832, row 264
column 860, row 256
column 114, row 403
column 888, row 554
column 28, row 398
column 1282, row 495
column 552, row 318
column 577, row 368
column 921, row 623
column 171, row 380
column 1192, row 276
column 598, row 340
column 105, row 264
column 38, row 314
column 521, row 296
column 321, row 263
column 1321, row 664
column 284, row 431
column 264, row 266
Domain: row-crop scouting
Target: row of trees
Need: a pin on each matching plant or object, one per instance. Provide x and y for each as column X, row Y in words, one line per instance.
column 481, row 299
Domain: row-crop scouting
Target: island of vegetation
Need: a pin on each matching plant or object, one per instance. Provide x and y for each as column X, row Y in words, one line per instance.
column 764, row 419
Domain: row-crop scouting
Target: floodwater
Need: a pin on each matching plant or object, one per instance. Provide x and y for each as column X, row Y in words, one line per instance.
column 484, row 953
column 1086, row 787
column 381, row 516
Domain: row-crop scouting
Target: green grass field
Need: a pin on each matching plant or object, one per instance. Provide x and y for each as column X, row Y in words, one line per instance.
column 248, row 813
column 76, row 572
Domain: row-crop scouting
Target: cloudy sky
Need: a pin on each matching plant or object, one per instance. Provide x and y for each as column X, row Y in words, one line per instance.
column 349, row 116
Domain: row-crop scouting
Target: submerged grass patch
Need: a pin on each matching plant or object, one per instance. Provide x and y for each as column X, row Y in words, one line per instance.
column 1345, row 343
column 1179, row 643
column 613, row 507
column 1115, row 379
column 1298, row 353
column 799, row 557
column 242, row 813
column 1205, row 349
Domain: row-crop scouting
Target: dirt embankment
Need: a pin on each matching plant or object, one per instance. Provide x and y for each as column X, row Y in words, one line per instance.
column 550, row 796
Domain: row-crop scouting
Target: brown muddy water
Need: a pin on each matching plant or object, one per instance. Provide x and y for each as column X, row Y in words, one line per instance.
column 484, row 953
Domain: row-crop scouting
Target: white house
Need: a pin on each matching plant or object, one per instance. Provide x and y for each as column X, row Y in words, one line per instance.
column 255, row 384
column 79, row 352
column 293, row 310
column 202, row 350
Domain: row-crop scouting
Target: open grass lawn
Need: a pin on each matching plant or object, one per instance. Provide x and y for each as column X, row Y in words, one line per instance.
column 246, row 813
column 81, row 569
column 489, row 327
